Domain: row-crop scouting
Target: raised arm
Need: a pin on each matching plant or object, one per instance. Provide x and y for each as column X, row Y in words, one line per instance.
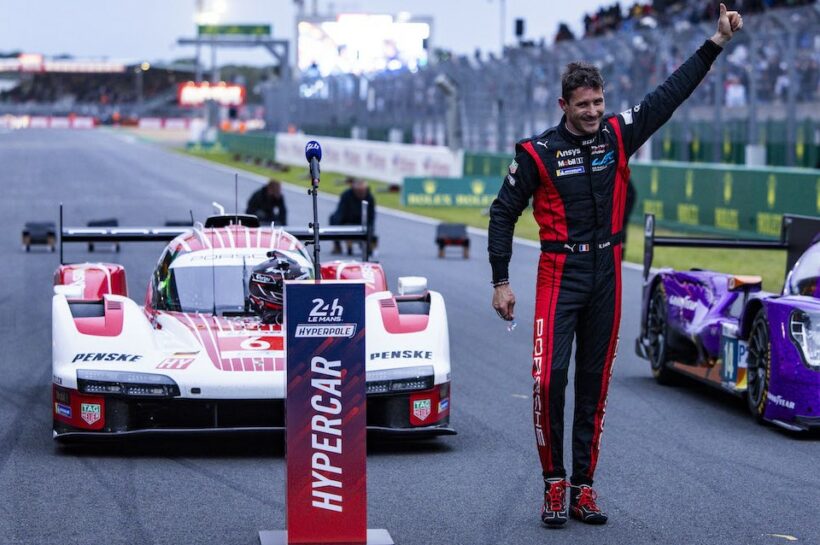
column 641, row 121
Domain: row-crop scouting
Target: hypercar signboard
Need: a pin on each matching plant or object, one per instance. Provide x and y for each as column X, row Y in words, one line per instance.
column 325, row 413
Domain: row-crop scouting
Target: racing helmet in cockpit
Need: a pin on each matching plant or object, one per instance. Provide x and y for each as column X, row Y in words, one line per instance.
column 804, row 278
column 267, row 282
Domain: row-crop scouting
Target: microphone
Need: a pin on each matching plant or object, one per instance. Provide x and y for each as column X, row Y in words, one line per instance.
column 313, row 154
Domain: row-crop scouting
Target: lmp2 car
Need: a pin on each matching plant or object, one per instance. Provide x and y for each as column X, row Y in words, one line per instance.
column 723, row 330
column 198, row 356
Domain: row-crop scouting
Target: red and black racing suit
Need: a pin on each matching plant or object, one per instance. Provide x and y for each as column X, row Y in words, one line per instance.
column 578, row 186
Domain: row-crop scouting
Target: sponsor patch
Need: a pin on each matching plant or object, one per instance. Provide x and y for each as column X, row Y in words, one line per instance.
column 599, row 149
column 422, row 409
column 513, row 166
column 443, row 405
column 570, row 162
column 402, row 354
column 567, row 153
column 62, row 410
column 601, row 163
column 90, row 413
column 583, row 247
column 510, row 180
column 105, row 356
column 627, row 117
column 779, row 401
column 175, row 363
column 568, row 171
column 682, row 302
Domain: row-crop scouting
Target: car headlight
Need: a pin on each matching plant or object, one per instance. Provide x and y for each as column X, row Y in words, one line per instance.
column 402, row 379
column 804, row 328
column 126, row 383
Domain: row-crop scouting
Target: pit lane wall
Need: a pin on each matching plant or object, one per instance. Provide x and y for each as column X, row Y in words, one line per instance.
column 699, row 197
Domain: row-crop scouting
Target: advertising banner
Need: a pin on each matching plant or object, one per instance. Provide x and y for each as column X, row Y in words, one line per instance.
column 375, row 160
column 721, row 199
column 325, row 413
column 477, row 192
column 715, row 199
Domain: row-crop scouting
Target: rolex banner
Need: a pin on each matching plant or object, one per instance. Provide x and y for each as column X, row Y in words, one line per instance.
column 474, row 192
column 325, row 413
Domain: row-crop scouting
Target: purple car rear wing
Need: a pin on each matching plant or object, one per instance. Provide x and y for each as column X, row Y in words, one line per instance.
column 797, row 233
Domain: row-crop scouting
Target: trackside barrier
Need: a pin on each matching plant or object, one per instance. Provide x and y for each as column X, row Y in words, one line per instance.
column 376, row 160
column 704, row 198
column 168, row 123
column 47, row 122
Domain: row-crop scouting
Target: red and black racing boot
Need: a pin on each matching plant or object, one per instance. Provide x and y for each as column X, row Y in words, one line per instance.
column 554, row 513
column 582, row 505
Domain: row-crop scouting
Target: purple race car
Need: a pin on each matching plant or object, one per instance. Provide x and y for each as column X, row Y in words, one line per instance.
column 723, row 330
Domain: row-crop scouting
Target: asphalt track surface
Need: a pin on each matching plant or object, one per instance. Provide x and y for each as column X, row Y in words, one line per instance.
column 678, row 465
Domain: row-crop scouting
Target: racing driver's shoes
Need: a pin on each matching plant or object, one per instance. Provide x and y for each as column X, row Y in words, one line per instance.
column 582, row 505
column 554, row 513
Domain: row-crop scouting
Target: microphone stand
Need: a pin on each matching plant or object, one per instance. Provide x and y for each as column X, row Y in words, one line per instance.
column 314, row 191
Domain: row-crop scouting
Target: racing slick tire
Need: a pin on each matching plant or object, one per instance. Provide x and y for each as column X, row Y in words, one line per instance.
column 759, row 366
column 657, row 335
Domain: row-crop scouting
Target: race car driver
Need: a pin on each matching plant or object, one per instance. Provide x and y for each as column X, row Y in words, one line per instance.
column 576, row 174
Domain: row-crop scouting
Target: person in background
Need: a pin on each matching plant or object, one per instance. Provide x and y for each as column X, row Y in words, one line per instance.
column 268, row 204
column 349, row 210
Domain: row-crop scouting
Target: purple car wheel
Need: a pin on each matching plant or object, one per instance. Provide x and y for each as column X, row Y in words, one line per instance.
column 759, row 366
column 657, row 334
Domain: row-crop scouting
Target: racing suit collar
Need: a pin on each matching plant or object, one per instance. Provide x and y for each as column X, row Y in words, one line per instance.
column 584, row 140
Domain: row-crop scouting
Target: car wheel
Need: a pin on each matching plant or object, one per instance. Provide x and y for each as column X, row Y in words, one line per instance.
column 759, row 366
column 656, row 334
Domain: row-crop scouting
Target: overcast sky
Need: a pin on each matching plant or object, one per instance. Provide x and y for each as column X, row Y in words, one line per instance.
column 148, row 29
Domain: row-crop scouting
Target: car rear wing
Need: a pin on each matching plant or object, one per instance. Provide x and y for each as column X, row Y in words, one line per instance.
column 168, row 233
column 797, row 233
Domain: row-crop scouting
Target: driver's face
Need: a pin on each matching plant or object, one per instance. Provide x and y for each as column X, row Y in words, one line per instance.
column 584, row 109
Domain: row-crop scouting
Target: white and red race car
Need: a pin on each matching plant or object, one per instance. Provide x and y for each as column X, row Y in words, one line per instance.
column 192, row 357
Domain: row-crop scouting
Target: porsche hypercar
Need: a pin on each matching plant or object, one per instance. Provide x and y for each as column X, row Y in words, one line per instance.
column 195, row 356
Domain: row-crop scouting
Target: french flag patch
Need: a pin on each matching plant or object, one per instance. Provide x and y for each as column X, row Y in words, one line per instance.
column 583, row 247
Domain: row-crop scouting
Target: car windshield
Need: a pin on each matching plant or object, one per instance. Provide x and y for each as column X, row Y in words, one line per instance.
column 216, row 289
column 803, row 280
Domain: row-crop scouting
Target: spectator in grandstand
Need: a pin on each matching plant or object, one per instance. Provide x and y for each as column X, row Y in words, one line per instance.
column 576, row 174
column 349, row 210
column 268, row 204
column 564, row 33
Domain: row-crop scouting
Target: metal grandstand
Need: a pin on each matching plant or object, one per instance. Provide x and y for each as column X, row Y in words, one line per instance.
column 770, row 73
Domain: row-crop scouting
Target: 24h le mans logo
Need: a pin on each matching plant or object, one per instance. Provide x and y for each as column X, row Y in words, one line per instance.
column 90, row 412
column 421, row 408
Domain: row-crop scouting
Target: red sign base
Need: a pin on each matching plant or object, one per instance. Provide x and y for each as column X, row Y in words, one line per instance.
column 280, row 537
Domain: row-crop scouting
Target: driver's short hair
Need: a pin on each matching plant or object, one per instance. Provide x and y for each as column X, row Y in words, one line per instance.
column 577, row 75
